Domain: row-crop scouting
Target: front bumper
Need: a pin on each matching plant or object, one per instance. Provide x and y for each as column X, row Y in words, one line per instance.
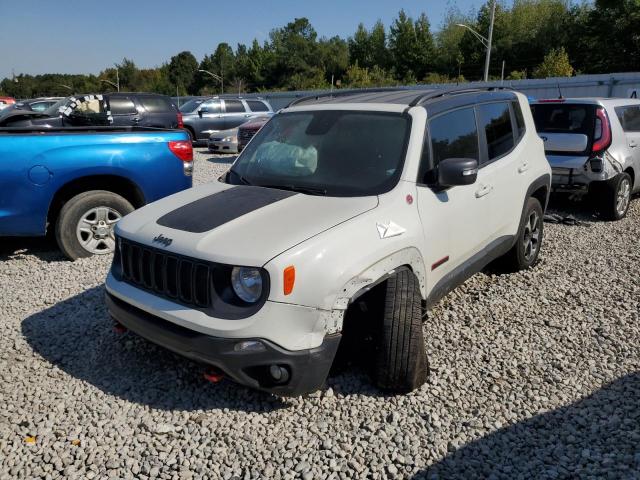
column 307, row 369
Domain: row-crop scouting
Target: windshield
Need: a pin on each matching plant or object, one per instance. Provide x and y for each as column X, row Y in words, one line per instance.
column 53, row 110
column 191, row 105
column 336, row 153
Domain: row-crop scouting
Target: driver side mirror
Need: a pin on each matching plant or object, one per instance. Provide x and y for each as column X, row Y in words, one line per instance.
column 457, row 171
column 202, row 110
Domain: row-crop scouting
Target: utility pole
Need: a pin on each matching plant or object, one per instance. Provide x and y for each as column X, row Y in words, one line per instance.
column 489, row 40
column 502, row 74
column 484, row 40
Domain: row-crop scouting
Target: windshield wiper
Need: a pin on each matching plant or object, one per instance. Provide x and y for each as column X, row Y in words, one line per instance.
column 298, row 188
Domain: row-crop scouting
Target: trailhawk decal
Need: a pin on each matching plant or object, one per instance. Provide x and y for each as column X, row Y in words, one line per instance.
column 214, row 210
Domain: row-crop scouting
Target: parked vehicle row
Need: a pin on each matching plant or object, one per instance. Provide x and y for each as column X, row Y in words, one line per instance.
column 343, row 220
column 115, row 109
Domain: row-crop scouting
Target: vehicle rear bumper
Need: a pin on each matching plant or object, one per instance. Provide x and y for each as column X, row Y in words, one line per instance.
column 569, row 180
column 307, row 369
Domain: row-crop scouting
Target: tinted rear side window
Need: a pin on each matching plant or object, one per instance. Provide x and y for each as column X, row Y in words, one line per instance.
column 629, row 118
column 517, row 112
column 564, row 118
column 257, row 106
column 122, row 106
column 233, row 106
column 156, row 104
column 495, row 119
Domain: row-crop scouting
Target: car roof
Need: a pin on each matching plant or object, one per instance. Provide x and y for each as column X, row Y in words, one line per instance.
column 435, row 99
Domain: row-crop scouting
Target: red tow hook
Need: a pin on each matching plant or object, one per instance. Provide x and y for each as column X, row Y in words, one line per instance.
column 119, row 328
column 213, row 376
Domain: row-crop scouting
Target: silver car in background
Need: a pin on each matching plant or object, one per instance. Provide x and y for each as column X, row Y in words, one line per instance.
column 205, row 116
column 593, row 146
column 225, row 141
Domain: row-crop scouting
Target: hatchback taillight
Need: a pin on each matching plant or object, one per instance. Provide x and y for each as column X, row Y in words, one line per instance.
column 182, row 149
column 602, row 132
column 180, row 122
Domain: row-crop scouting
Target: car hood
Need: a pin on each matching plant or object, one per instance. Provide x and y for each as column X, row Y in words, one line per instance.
column 238, row 225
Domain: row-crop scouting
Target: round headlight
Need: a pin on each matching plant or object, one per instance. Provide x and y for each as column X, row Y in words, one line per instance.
column 247, row 283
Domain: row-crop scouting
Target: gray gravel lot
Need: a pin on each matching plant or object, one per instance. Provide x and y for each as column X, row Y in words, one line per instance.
column 535, row 375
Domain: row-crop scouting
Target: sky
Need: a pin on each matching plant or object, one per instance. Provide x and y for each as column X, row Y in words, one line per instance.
column 86, row 36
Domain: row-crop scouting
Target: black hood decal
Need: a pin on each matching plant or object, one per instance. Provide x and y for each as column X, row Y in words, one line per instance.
column 214, row 210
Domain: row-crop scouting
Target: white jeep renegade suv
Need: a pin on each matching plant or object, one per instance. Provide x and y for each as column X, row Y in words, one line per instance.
column 391, row 197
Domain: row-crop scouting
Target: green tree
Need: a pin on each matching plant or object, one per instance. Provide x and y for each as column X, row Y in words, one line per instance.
column 411, row 46
column 181, row 71
column 555, row 64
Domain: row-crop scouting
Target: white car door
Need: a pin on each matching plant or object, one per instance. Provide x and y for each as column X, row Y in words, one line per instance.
column 504, row 164
column 456, row 221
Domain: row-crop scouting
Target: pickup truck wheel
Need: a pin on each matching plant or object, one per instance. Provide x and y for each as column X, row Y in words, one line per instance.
column 524, row 253
column 86, row 222
column 401, row 362
column 616, row 196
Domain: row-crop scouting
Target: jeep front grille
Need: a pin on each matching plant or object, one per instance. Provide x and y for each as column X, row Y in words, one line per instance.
column 174, row 277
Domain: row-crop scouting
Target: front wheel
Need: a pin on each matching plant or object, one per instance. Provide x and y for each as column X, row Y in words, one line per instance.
column 85, row 226
column 524, row 253
column 401, row 362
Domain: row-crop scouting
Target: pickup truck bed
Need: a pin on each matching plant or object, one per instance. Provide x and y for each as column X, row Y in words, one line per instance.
column 42, row 169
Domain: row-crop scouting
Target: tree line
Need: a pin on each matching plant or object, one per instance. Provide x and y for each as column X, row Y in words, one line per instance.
column 534, row 39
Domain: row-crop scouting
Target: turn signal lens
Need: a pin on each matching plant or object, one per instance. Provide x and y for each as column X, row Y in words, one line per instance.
column 289, row 279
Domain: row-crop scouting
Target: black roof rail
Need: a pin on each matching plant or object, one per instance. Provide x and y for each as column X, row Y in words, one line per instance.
column 453, row 91
column 344, row 93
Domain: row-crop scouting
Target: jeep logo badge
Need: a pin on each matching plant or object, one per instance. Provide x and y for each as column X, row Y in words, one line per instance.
column 164, row 241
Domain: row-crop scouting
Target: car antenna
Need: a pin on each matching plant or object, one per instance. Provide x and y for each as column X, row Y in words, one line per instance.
column 560, row 97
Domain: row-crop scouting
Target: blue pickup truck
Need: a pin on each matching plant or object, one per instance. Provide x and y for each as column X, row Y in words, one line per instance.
column 78, row 182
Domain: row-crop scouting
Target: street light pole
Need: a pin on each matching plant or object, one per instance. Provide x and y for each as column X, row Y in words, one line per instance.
column 484, row 40
column 488, row 58
column 216, row 77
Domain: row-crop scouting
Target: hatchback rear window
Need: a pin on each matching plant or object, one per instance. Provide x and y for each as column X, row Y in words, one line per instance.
column 156, row 104
column 564, row 118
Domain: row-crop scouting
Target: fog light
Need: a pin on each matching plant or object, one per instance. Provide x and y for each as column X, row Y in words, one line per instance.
column 279, row 374
column 249, row 346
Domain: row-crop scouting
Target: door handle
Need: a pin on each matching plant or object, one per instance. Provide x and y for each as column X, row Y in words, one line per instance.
column 523, row 167
column 633, row 144
column 484, row 190
column 136, row 119
column 247, row 115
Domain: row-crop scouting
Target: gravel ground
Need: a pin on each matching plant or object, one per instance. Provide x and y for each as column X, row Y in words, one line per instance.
column 535, row 375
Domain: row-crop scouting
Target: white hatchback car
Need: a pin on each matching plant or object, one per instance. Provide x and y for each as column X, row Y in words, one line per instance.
column 381, row 201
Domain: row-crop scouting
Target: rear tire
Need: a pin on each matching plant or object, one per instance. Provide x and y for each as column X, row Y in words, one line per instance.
column 400, row 359
column 615, row 197
column 524, row 253
column 85, row 224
